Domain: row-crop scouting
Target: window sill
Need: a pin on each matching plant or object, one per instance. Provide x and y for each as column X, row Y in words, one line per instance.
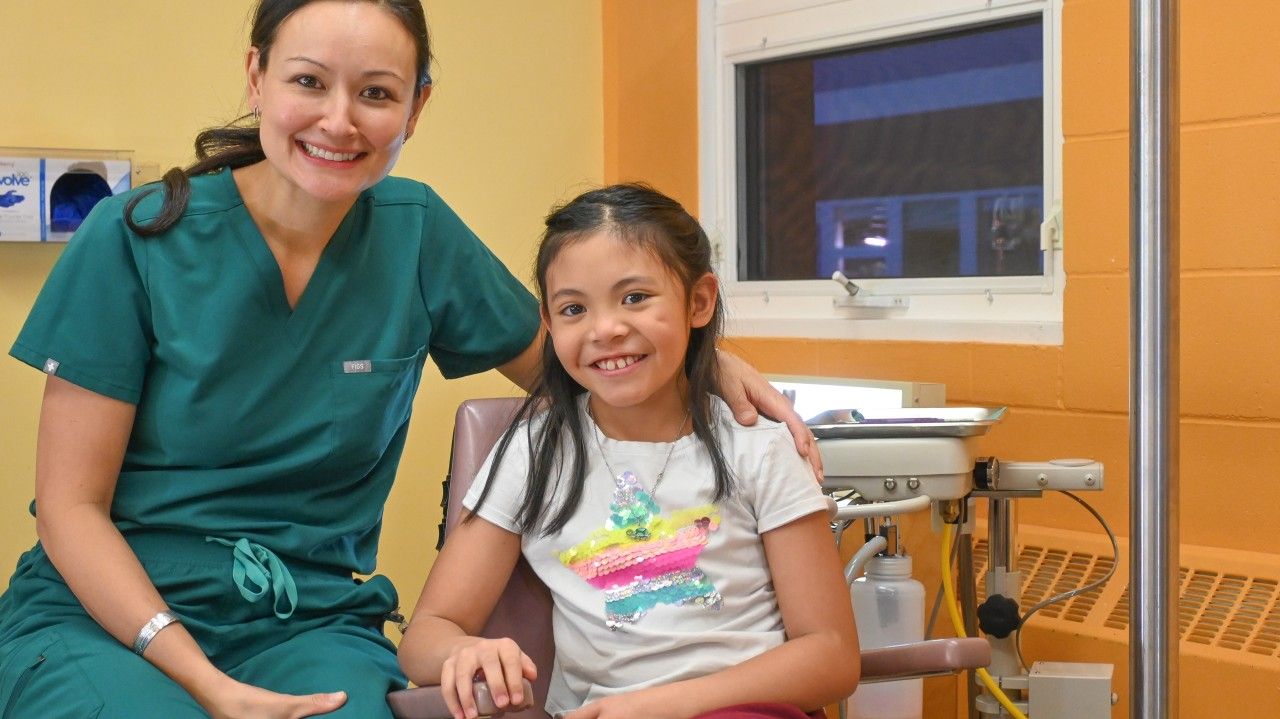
column 995, row 332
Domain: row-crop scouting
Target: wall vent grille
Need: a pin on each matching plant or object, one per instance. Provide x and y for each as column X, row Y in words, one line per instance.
column 1050, row 570
column 1229, row 604
column 1119, row 616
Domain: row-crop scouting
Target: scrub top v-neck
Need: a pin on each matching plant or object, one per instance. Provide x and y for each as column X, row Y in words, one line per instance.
column 255, row 420
column 268, row 269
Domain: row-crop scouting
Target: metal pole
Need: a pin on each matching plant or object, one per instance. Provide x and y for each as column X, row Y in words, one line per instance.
column 968, row 608
column 1153, row 385
column 1003, row 578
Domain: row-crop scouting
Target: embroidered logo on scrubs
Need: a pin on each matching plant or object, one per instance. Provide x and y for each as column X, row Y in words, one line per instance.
column 357, row 366
column 51, row 366
column 641, row 558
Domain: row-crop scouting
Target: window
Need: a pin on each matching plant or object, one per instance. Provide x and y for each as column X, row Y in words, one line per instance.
column 911, row 146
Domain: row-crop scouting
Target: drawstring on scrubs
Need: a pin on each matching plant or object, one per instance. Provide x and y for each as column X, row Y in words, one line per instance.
column 256, row 570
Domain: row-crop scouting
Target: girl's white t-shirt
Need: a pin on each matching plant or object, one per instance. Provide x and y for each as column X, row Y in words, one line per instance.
column 652, row 588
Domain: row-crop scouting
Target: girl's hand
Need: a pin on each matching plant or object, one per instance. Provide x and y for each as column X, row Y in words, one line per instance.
column 749, row 394
column 243, row 701
column 502, row 665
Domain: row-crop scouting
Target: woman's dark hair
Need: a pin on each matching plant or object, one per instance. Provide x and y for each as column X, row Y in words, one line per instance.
column 645, row 218
column 237, row 144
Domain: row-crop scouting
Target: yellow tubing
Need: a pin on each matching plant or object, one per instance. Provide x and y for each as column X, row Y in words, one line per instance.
column 952, row 609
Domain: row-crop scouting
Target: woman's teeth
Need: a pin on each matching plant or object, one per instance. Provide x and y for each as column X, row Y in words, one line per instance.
column 323, row 154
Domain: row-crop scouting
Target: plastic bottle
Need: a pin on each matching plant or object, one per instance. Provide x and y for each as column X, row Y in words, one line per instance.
column 889, row 607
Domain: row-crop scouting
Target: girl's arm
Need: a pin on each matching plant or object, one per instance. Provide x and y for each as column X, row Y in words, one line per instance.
column 817, row 665
column 441, row 646
column 79, row 451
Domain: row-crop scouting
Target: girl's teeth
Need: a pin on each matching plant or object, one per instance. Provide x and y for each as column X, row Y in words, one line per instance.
column 326, row 155
column 612, row 364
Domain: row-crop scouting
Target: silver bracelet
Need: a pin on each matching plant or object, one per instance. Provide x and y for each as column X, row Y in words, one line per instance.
column 151, row 629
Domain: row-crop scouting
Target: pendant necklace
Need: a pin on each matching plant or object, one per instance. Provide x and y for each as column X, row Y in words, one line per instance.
column 661, row 473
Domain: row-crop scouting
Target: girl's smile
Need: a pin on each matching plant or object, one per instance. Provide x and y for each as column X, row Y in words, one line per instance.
column 615, row 364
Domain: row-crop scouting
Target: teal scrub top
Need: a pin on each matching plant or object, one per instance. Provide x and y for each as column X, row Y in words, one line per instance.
column 284, row 427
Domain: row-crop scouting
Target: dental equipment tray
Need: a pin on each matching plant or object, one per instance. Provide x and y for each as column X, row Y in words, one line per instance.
column 904, row 422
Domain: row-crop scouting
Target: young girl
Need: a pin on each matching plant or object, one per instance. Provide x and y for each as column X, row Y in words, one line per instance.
column 688, row 556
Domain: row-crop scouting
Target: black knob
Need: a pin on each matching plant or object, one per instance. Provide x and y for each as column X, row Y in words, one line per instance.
column 986, row 472
column 998, row 616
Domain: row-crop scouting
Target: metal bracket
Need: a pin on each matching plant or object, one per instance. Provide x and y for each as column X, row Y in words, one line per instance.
column 1051, row 229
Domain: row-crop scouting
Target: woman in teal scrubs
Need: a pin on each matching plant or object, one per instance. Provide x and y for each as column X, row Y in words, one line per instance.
column 231, row 365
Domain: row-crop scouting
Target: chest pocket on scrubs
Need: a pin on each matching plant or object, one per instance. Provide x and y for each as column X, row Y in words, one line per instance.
column 40, row 666
column 372, row 400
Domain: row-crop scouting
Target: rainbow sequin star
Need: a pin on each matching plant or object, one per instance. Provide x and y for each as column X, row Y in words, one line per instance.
column 641, row 558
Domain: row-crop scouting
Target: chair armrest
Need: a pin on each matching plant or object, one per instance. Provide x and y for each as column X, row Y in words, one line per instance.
column 922, row 659
column 428, row 702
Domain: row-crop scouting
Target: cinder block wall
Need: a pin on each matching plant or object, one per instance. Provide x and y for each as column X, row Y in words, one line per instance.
column 1073, row 400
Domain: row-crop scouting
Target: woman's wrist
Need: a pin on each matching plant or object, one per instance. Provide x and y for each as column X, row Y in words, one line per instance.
column 176, row 653
column 211, row 689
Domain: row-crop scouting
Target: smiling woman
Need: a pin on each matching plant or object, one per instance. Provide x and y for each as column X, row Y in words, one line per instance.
column 335, row 107
column 336, row 104
column 222, row 421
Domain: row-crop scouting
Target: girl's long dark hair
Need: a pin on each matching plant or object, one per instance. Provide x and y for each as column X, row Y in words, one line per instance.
column 645, row 218
column 237, row 144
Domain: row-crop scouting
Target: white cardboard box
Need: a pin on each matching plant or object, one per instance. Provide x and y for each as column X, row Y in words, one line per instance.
column 20, row 198
column 44, row 199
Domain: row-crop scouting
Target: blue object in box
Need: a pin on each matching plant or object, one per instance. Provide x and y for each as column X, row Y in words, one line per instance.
column 11, row 198
column 46, row 199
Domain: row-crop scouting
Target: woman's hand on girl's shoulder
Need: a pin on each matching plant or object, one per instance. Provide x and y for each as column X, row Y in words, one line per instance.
column 749, row 395
column 498, row 662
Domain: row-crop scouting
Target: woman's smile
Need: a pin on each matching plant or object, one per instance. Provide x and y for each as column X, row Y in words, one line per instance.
column 321, row 153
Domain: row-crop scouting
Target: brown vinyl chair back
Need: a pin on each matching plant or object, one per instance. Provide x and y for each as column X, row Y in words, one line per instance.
column 523, row 613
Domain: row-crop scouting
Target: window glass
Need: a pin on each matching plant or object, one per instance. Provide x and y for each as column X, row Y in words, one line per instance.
column 916, row 158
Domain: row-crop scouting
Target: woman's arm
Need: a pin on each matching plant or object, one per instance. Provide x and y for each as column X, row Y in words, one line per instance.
column 462, row 589
column 79, row 450
column 523, row 370
column 819, row 660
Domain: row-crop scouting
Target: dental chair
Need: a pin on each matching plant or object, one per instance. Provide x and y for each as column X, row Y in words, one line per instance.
column 523, row 612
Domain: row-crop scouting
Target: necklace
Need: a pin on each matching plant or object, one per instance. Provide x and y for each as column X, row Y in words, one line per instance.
column 662, row 472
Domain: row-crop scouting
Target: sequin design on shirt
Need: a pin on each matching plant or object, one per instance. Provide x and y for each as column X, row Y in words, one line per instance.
column 642, row 558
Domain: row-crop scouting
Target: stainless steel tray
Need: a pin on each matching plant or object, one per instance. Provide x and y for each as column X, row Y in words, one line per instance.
column 905, row 422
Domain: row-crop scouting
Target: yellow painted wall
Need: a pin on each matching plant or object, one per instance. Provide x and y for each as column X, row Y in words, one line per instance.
column 514, row 125
column 1073, row 400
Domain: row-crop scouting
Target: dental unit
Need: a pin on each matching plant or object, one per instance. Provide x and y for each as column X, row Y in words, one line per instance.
column 881, row 463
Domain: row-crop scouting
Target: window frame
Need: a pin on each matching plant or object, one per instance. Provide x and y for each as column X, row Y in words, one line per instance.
column 1022, row 310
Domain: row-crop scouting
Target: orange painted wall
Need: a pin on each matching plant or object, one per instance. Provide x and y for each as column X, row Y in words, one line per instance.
column 1073, row 400
column 651, row 95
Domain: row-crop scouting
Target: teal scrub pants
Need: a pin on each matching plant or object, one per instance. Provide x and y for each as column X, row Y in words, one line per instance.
column 325, row 636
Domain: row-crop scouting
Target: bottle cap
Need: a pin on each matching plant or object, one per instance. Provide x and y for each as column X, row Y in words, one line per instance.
column 897, row 566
